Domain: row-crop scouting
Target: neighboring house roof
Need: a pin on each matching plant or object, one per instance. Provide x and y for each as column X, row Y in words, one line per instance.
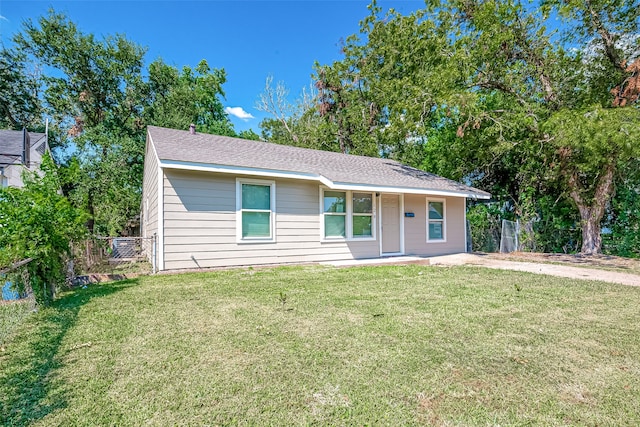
column 11, row 145
column 181, row 149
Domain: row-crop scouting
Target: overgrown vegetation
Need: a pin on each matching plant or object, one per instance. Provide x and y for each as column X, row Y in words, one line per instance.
column 38, row 223
column 401, row 345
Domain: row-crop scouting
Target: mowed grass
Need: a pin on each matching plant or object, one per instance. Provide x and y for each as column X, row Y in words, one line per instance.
column 12, row 314
column 393, row 345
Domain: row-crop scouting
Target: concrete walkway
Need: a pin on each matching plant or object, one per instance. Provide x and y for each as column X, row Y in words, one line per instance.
column 483, row 261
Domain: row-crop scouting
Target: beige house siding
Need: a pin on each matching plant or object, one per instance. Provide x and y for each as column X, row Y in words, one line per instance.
column 415, row 229
column 200, row 225
column 149, row 208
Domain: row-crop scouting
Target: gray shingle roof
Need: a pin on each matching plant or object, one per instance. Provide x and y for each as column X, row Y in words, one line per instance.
column 181, row 146
column 11, row 145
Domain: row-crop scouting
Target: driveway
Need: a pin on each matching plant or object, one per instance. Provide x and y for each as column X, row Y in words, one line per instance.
column 539, row 268
column 559, row 270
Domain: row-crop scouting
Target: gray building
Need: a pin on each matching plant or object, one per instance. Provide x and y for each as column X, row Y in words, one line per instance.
column 19, row 151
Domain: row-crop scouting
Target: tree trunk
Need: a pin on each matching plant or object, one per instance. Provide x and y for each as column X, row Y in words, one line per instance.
column 591, row 238
column 591, row 214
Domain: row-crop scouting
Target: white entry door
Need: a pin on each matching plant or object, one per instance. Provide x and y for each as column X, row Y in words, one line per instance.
column 390, row 223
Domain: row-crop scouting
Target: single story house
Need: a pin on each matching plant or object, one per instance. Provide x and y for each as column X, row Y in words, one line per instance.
column 217, row 201
column 19, row 151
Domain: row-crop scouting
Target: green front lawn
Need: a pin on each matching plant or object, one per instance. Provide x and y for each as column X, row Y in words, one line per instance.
column 393, row 345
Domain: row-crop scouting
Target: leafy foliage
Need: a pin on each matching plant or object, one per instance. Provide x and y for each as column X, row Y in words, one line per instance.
column 190, row 96
column 38, row 222
column 624, row 215
column 101, row 103
column 96, row 100
column 20, row 106
column 483, row 91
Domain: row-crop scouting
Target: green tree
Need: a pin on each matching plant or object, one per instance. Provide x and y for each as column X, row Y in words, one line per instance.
column 96, row 98
column 101, row 103
column 299, row 123
column 484, row 91
column 38, row 222
column 249, row 134
column 190, row 96
column 623, row 218
column 20, row 105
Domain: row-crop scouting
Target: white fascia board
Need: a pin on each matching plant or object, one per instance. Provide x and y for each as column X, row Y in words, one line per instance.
column 273, row 173
column 405, row 190
column 160, row 207
column 160, row 219
column 153, row 147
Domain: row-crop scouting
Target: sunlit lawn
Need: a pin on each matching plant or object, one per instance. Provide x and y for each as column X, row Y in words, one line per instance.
column 394, row 345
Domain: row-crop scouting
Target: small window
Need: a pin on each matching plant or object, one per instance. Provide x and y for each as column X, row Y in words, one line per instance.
column 435, row 221
column 256, row 210
column 335, row 214
column 362, row 215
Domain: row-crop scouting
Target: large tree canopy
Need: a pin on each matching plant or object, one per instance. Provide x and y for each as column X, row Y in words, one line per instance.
column 485, row 91
column 190, row 96
column 100, row 99
column 20, row 104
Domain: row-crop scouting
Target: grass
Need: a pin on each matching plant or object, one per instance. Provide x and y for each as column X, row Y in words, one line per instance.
column 12, row 314
column 393, row 345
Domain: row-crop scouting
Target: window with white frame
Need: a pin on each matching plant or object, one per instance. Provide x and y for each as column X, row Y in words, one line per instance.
column 256, row 209
column 362, row 215
column 335, row 214
column 348, row 214
column 435, row 221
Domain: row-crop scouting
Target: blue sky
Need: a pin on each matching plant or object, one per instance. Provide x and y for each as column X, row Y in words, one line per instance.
column 249, row 39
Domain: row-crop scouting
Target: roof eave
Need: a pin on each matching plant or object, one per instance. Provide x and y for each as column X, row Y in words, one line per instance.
column 409, row 190
column 276, row 173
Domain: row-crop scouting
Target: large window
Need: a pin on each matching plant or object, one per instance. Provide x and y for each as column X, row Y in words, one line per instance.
column 435, row 221
column 347, row 215
column 256, row 200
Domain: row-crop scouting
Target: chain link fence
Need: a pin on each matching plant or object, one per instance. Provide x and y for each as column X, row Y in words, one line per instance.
column 509, row 236
column 116, row 254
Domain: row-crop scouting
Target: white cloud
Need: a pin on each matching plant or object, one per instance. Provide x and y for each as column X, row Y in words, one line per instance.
column 4, row 18
column 238, row 112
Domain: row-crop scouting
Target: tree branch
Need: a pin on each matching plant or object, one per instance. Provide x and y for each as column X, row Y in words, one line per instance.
column 607, row 38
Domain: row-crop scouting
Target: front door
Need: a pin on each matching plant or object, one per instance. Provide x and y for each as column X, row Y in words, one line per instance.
column 390, row 223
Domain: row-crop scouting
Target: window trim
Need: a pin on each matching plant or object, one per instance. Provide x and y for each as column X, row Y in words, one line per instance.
column 369, row 214
column 344, row 214
column 348, row 214
column 272, row 210
column 443, row 220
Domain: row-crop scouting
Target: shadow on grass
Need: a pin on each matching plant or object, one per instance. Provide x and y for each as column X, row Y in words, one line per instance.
column 28, row 390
